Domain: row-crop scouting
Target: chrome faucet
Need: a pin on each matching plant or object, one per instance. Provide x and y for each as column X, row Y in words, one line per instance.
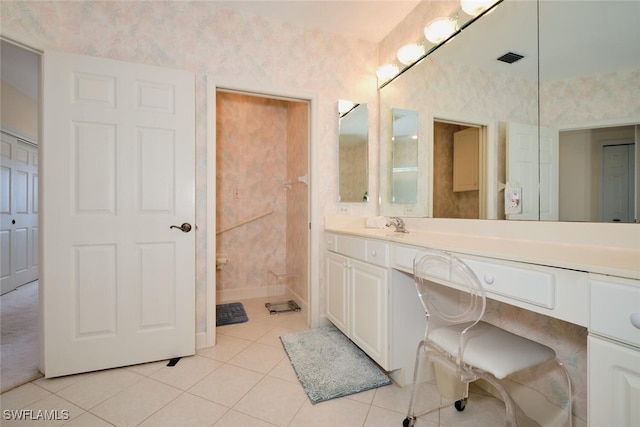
column 398, row 223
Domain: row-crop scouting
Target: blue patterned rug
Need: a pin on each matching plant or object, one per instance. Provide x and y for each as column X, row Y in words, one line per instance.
column 228, row 314
column 329, row 365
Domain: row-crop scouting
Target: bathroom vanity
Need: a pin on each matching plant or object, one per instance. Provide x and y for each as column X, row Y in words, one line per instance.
column 371, row 296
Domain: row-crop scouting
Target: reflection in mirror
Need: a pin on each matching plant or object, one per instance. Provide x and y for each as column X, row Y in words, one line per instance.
column 590, row 97
column 456, row 174
column 404, row 155
column 353, row 156
column 597, row 174
column 464, row 82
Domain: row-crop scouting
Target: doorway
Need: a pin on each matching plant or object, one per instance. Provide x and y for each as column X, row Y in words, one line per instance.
column 19, row 235
column 262, row 197
column 19, row 157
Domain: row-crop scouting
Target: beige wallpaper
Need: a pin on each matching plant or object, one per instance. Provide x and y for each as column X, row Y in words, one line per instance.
column 230, row 48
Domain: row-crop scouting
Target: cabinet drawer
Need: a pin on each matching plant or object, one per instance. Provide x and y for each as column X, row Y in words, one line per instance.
column 614, row 302
column 378, row 253
column 404, row 256
column 528, row 283
column 354, row 247
column 332, row 241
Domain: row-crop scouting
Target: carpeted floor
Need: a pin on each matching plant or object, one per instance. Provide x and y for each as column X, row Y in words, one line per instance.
column 19, row 336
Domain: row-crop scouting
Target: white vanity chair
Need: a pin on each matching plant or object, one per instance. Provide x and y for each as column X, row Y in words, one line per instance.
column 463, row 347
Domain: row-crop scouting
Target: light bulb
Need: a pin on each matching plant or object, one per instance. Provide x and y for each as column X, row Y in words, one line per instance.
column 440, row 29
column 410, row 53
column 387, row 71
column 475, row 7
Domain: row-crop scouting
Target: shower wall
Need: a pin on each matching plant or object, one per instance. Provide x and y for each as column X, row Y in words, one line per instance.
column 261, row 143
column 297, row 258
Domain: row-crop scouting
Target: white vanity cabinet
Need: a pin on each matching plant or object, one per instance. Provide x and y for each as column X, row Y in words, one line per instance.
column 614, row 352
column 357, row 293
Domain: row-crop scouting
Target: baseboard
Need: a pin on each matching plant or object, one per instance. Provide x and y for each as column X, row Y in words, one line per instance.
column 226, row 295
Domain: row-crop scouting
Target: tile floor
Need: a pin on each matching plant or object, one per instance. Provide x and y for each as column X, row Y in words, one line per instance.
column 246, row 380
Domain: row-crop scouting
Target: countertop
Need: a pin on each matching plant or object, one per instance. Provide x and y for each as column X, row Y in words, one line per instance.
column 593, row 248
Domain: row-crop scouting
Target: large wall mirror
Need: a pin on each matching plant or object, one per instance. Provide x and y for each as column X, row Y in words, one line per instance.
column 555, row 128
column 353, row 152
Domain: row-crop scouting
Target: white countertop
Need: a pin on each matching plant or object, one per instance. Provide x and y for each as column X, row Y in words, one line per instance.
column 610, row 249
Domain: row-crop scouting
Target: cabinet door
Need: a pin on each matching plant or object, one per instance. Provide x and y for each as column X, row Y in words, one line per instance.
column 614, row 384
column 466, row 153
column 369, row 318
column 337, row 287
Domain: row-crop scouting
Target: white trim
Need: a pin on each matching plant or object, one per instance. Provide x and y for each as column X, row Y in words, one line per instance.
column 624, row 121
column 314, row 215
column 19, row 135
column 211, row 214
column 31, row 45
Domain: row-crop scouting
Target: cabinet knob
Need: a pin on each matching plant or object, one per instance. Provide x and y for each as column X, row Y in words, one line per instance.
column 635, row 320
column 489, row 279
column 374, row 253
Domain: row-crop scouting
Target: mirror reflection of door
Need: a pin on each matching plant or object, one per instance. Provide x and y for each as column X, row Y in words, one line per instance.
column 455, row 171
column 616, row 185
column 597, row 174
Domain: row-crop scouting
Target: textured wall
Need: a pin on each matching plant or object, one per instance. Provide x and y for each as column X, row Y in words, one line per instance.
column 230, row 47
column 297, row 244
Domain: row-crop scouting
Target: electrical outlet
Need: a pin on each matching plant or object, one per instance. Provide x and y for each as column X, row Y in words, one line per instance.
column 512, row 200
column 343, row 210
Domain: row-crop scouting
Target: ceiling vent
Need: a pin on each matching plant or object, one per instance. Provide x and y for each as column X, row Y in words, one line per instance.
column 510, row 57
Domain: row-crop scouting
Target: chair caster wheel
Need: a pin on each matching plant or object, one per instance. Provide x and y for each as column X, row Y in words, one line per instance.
column 409, row 422
column 460, row 404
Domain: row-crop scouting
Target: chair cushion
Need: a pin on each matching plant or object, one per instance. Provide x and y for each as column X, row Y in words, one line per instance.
column 492, row 349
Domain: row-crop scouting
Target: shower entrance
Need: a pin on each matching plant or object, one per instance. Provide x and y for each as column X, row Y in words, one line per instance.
column 262, row 199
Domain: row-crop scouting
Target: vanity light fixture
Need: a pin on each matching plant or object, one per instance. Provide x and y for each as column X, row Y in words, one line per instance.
column 475, row 7
column 440, row 29
column 345, row 106
column 387, row 71
column 410, row 53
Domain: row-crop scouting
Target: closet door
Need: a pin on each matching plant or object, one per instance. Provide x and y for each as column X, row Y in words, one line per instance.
column 19, row 212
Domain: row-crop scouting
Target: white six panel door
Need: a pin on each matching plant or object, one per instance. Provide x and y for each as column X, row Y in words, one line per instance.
column 118, row 158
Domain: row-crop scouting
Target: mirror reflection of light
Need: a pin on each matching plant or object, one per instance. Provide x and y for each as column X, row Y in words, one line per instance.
column 475, row 7
column 388, row 71
column 410, row 53
column 440, row 29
